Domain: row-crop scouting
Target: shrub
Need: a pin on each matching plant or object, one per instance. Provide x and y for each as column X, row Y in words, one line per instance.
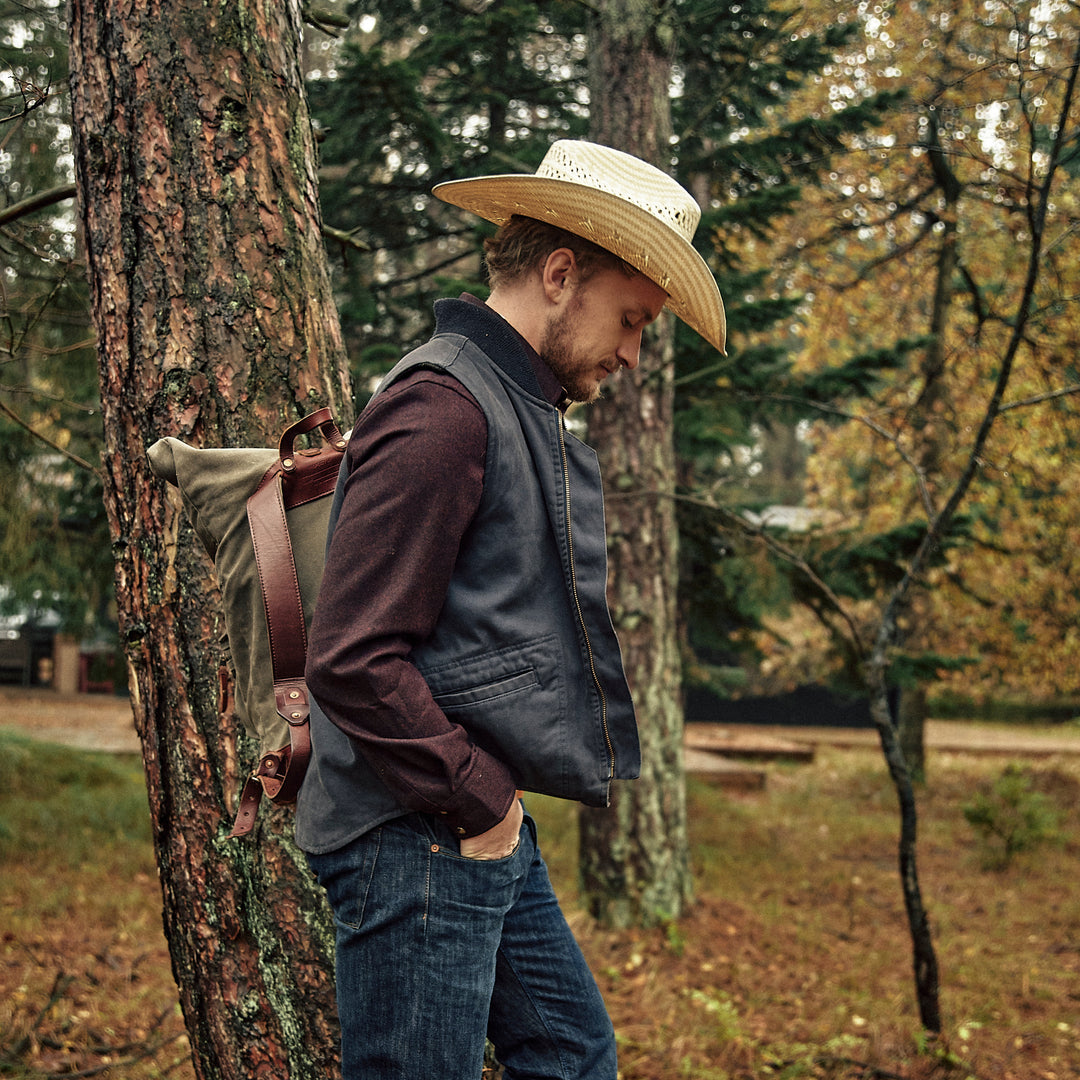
column 1010, row 816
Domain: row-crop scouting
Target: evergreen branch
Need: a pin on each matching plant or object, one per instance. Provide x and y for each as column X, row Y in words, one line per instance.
column 788, row 555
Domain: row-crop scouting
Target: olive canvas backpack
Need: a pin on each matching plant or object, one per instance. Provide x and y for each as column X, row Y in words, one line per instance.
column 262, row 516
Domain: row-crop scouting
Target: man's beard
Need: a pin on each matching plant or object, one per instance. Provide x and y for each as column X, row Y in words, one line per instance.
column 557, row 350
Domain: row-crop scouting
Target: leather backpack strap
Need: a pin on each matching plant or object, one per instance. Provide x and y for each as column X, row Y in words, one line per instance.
column 280, row 772
column 277, row 579
column 278, row 776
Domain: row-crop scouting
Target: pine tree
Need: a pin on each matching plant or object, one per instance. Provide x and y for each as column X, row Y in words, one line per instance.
column 431, row 92
column 211, row 297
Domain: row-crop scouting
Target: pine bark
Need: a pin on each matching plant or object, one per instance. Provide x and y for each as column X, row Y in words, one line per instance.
column 196, row 177
column 634, row 856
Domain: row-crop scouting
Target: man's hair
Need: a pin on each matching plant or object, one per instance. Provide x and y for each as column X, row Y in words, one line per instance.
column 523, row 244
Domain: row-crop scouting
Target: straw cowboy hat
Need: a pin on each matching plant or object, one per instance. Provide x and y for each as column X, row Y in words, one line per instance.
column 619, row 202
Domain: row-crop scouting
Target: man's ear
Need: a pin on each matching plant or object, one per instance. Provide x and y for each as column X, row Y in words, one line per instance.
column 559, row 272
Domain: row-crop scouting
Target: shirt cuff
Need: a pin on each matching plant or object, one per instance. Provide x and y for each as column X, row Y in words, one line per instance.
column 483, row 800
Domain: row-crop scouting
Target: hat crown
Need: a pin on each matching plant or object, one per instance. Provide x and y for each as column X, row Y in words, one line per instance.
column 625, row 177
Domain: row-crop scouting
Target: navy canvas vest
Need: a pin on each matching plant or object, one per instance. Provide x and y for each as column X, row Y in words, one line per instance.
column 524, row 655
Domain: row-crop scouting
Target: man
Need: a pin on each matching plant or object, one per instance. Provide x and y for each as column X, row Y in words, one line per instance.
column 462, row 650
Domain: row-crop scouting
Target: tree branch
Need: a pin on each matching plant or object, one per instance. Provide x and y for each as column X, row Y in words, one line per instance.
column 1038, row 399
column 940, row 524
column 345, row 238
column 72, row 457
column 791, row 557
column 893, row 440
column 33, row 96
column 329, row 22
column 36, row 202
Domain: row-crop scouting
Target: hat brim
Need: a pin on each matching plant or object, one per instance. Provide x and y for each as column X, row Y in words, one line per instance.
column 613, row 223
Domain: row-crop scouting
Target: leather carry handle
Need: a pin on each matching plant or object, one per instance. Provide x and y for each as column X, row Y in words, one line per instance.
column 294, row 479
column 322, row 419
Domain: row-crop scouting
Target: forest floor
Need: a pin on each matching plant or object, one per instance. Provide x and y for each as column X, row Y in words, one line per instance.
column 793, row 961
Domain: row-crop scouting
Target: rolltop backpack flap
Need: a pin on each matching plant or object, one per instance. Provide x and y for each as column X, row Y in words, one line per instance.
column 262, row 516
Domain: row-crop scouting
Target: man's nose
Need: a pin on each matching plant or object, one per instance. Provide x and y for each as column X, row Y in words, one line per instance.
column 629, row 351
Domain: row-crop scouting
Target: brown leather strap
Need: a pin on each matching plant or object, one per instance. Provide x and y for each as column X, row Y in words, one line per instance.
column 294, row 479
column 278, row 777
column 278, row 581
column 292, row 699
column 250, row 797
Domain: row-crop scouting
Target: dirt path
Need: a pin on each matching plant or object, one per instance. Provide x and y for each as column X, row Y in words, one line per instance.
column 87, row 721
column 948, row 736
column 104, row 722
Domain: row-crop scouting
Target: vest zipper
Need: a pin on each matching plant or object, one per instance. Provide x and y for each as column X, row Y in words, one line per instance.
column 577, row 605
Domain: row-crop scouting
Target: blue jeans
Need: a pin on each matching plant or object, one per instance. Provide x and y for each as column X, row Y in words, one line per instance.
column 435, row 951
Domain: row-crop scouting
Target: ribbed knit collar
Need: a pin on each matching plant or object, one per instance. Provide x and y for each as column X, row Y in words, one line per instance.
column 501, row 342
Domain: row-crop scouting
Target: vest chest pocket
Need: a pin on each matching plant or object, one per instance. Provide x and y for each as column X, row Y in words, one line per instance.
column 489, row 691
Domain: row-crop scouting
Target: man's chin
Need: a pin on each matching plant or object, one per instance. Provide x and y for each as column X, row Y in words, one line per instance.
column 586, row 395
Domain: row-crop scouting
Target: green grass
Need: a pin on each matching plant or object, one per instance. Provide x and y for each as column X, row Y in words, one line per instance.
column 85, row 979
column 69, row 805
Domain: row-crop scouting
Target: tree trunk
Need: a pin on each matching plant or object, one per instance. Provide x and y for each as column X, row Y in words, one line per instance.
column 924, row 957
column 911, row 728
column 929, row 421
column 215, row 323
column 634, row 859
